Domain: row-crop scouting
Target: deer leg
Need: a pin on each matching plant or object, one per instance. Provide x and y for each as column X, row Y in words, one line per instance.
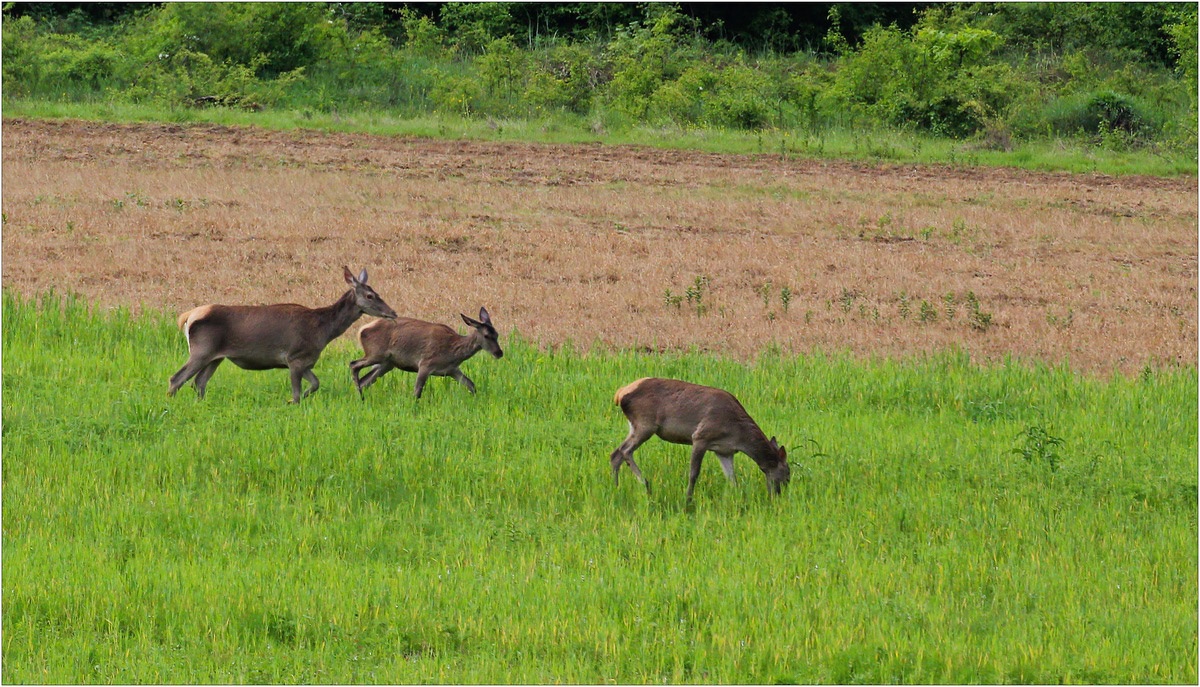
column 296, row 374
column 698, row 450
column 422, row 376
column 624, row 454
column 380, row 370
column 355, row 367
column 463, row 379
column 313, row 382
column 727, row 466
column 202, row 378
column 191, row 368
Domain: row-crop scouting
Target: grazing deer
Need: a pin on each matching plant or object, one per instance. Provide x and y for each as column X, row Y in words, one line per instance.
column 426, row 348
column 268, row 337
column 709, row 419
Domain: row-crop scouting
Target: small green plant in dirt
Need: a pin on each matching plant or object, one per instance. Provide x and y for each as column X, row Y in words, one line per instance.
column 927, row 313
column 976, row 317
column 672, row 300
column 694, row 294
column 785, row 298
column 905, row 306
column 764, row 292
column 846, row 300
column 950, row 306
column 958, row 230
column 1061, row 321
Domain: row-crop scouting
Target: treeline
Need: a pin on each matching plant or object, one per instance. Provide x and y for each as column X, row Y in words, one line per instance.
column 1121, row 72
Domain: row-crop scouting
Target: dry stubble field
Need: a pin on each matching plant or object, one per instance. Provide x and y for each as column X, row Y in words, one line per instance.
column 582, row 243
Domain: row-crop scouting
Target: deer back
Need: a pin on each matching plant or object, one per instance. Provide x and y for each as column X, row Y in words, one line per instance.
column 266, row 333
column 407, row 341
column 677, row 408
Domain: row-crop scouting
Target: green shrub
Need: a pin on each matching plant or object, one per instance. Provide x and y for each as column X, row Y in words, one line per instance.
column 741, row 100
column 564, row 77
column 683, row 100
column 457, row 94
column 193, row 78
column 643, row 58
column 273, row 38
column 1089, row 114
column 502, row 70
column 1121, row 75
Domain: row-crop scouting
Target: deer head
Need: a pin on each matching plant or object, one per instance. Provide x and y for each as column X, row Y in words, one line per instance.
column 488, row 337
column 365, row 297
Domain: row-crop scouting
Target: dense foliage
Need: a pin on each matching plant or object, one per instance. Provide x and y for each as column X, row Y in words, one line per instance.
column 1112, row 73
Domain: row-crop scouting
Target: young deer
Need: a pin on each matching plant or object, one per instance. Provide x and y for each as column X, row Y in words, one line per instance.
column 268, row 337
column 426, row 348
column 709, row 419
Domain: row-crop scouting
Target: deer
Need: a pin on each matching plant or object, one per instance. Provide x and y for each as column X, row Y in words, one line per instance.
column 268, row 337
column 427, row 348
column 707, row 418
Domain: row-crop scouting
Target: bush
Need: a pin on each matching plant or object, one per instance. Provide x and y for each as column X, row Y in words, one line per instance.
column 192, row 78
column 564, row 77
column 741, row 100
column 959, row 71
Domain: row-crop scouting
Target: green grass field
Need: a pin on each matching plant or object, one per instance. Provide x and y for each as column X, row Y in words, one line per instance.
column 945, row 522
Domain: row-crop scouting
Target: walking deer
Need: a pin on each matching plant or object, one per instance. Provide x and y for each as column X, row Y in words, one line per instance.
column 426, row 348
column 268, row 337
column 709, row 419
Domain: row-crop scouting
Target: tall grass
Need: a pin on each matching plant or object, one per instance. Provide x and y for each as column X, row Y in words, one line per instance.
column 928, row 535
column 830, row 143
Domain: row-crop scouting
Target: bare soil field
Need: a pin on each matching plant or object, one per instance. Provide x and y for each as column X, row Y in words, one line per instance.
column 612, row 245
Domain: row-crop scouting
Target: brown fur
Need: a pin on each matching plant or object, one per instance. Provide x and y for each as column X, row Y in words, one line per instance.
column 427, row 348
column 704, row 417
column 264, row 337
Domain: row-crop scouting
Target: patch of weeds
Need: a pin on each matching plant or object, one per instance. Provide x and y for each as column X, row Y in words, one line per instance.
column 695, row 294
column 846, row 300
column 131, row 198
column 905, row 306
column 928, row 313
column 672, row 299
column 1040, row 447
column 764, row 292
column 950, row 306
column 976, row 317
column 988, row 411
column 785, row 299
column 958, row 230
column 1061, row 322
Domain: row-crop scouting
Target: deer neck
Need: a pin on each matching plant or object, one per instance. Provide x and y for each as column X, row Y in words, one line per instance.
column 466, row 346
column 759, row 448
column 336, row 319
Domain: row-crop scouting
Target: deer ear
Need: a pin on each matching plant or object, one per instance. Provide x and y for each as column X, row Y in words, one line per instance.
column 484, row 317
column 783, row 454
column 469, row 321
column 362, row 276
column 348, row 275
